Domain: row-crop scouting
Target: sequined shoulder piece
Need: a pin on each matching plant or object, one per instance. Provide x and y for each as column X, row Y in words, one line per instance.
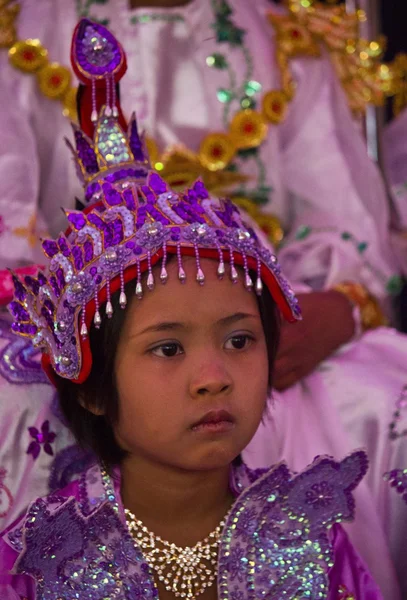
column 276, row 543
column 73, row 553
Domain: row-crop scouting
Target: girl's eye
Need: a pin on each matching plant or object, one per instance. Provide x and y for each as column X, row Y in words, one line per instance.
column 167, row 350
column 239, row 342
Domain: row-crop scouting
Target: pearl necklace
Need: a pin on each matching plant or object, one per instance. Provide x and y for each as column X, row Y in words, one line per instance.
column 186, row 572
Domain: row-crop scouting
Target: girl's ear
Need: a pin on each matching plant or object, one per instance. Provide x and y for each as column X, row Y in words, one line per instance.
column 92, row 408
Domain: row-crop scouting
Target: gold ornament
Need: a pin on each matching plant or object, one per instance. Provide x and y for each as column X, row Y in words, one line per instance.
column 371, row 313
column 344, row 594
column 9, row 11
column 181, row 167
column 312, row 26
column 186, row 572
column 269, row 224
column 399, row 67
column 274, row 107
column 54, row 80
column 29, row 55
column 69, row 103
column 293, row 37
column 248, row 129
column 216, row 151
column 30, row 232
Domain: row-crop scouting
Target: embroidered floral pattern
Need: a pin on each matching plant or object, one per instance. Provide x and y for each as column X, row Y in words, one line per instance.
column 320, row 494
column 44, row 438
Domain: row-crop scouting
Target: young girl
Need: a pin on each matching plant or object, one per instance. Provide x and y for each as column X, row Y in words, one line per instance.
column 167, row 384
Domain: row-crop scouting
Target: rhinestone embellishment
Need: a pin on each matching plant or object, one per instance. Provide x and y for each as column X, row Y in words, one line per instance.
column 186, row 572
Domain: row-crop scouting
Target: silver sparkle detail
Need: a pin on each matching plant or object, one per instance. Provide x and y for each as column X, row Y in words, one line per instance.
column 65, row 361
column 97, row 319
column 139, row 290
column 243, row 235
column 109, row 309
column 122, row 300
column 233, row 274
column 111, row 255
column 248, row 282
column 163, row 275
column 259, row 286
column 200, row 276
column 76, row 287
column 150, row 281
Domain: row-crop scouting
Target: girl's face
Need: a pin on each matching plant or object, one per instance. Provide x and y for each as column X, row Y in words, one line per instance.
column 191, row 371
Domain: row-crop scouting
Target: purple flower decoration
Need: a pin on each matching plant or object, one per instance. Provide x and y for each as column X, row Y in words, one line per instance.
column 320, row 494
column 45, row 437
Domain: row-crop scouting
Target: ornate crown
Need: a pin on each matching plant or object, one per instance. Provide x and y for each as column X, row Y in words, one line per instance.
column 133, row 221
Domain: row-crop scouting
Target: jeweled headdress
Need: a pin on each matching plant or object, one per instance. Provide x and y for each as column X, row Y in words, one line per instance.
column 132, row 221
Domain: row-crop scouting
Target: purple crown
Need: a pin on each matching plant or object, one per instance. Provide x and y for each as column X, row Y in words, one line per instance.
column 130, row 225
column 132, row 221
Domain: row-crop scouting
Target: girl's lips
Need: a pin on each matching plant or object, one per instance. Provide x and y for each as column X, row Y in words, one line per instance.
column 218, row 421
column 220, row 427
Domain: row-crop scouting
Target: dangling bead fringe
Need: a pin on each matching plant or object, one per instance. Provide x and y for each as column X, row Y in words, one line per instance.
column 233, row 273
column 139, row 287
column 123, row 297
column 164, row 274
column 247, row 279
column 150, row 278
column 181, row 273
column 84, row 329
column 108, row 109
column 97, row 319
column 221, row 266
column 109, row 307
column 200, row 276
column 94, row 114
column 259, row 283
column 114, row 107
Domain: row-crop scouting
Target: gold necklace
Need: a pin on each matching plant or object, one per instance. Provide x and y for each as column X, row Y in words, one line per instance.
column 186, row 572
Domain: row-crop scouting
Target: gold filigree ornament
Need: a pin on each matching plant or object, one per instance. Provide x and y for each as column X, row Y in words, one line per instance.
column 180, row 167
column 309, row 27
column 9, row 10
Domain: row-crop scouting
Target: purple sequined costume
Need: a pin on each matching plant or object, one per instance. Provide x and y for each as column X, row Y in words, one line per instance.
column 281, row 540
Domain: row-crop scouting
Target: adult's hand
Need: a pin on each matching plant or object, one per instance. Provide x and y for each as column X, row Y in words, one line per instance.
column 327, row 324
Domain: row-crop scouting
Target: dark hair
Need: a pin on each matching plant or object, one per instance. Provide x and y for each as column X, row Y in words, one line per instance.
column 94, row 432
